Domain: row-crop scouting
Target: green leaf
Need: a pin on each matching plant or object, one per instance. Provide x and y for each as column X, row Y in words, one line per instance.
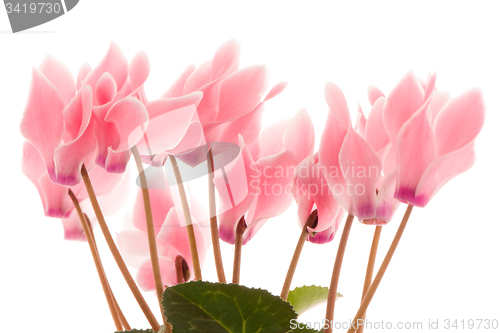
column 207, row 307
column 307, row 297
column 136, row 331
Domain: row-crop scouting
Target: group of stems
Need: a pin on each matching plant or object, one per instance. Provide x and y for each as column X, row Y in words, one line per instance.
column 182, row 270
column 369, row 287
column 114, row 308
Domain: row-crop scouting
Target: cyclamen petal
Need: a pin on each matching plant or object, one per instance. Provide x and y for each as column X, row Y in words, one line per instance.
column 60, row 76
column 115, row 63
column 442, row 170
column 42, row 123
column 241, row 91
column 299, row 136
column 362, row 168
column 459, row 121
column 401, row 103
column 374, row 93
column 226, row 59
column 177, row 88
column 376, row 135
column 130, row 118
column 416, row 149
column 337, row 104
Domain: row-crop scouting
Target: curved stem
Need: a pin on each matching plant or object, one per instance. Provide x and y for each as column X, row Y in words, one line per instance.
column 214, row 229
column 310, row 223
column 380, row 274
column 123, row 320
column 187, row 217
column 98, row 266
column 116, row 254
column 370, row 267
column 153, row 250
column 332, row 291
column 240, row 230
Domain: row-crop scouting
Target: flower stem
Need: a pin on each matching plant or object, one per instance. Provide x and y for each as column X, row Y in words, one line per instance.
column 214, row 229
column 332, row 291
column 98, row 266
column 240, row 230
column 311, row 222
column 380, row 274
column 116, row 254
column 153, row 250
column 123, row 320
column 187, row 218
column 370, row 267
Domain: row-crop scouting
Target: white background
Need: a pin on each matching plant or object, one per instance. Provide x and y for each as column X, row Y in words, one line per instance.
column 446, row 266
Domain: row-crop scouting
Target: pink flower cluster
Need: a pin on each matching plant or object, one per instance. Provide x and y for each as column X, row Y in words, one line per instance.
column 413, row 141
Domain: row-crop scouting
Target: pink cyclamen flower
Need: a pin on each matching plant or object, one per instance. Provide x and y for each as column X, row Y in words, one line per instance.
column 58, row 122
column 433, row 136
column 171, row 237
column 311, row 192
column 264, row 185
column 232, row 98
column 360, row 180
column 109, row 188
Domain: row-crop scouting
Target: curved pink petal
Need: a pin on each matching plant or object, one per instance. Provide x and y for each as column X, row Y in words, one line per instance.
column 299, row 136
column 416, row 150
column 459, row 121
column 131, row 119
column 329, row 149
column 60, row 76
column 438, row 100
column 337, row 104
column 57, row 201
column 361, row 168
column 70, row 156
column 376, row 136
column 33, row 167
column 105, row 89
column 145, row 279
column 201, row 76
column 442, row 170
column 374, row 93
column 248, row 126
column 116, row 162
column 243, row 185
column 173, row 235
column 387, row 204
column 401, row 103
column 169, row 120
column 161, row 203
column 276, row 182
column 311, row 182
column 177, row 88
column 193, row 139
column 139, row 70
column 226, row 59
column 272, row 137
column 276, row 90
column 42, row 123
column 241, row 91
column 360, row 126
column 73, row 230
column 82, row 74
column 115, row 63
